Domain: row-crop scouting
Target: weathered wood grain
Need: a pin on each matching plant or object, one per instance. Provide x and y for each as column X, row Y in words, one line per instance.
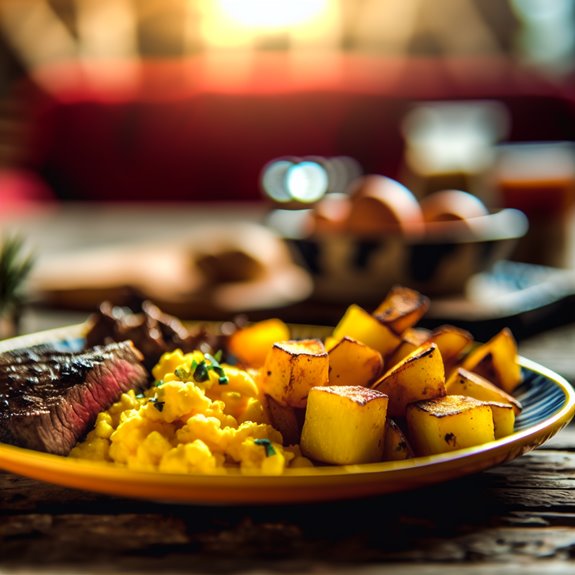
column 520, row 513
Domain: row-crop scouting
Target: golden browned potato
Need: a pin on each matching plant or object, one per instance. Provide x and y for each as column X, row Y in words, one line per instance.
column 344, row 425
column 292, row 368
column 452, row 341
column 411, row 339
column 497, row 360
column 286, row 419
column 359, row 324
column 448, row 423
column 503, row 418
column 402, row 308
column 251, row 344
column 351, row 362
column 465, row 382
column 418, row 376
column 396, row 446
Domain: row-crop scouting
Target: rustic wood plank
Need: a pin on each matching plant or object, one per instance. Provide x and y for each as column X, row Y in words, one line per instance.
column 522, row 511
column 564, row 439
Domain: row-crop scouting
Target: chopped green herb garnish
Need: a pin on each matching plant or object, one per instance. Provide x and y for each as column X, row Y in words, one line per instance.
column 201, row 372
column 159, row 405
column 212, row 360
column 182, row 373
column 215, row 365
column 267, row 444
column 158, row 382
column 222, row 377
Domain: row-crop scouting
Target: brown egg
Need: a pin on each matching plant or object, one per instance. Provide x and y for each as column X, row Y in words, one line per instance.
column 330, row 213
column 382, row 204
column 451, row 205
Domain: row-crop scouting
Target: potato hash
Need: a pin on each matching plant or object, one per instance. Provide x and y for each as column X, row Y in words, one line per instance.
column 378, row 387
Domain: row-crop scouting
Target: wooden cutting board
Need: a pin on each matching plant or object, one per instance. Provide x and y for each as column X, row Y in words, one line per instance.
column 213, row 272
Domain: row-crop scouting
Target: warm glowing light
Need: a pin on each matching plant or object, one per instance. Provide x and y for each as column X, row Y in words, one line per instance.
column 273, row 180
column 241, row 24
column 307, row 182
column 287, row 180
column 272, row 13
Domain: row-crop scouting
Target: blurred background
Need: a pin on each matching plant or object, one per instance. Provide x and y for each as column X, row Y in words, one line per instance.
column 187, row 100
column 273, row 104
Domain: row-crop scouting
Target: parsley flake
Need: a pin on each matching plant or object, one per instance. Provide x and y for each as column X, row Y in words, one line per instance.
column 201, row 372
column 267, row 444
column 159, row 405
column 215, row 366
column 182, row 373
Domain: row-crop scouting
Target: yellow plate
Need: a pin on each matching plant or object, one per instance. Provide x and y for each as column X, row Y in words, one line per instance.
column 548, row 401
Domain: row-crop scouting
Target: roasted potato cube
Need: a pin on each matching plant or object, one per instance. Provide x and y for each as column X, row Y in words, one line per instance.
column 464, row 382
column 359, row 324
column 351, row 362
column 503, row 418
column 286, row 419
column 411, row 339
column 329, row 342
column 344, row 425
column 292, row 368
column 403, row 307
column 418, row 376
column 396, row 445
column 452, row 341
column 448, row 423
column 497, row 360
column 251, row 344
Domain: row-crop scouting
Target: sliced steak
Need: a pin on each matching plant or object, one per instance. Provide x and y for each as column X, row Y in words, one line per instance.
column 49, row 399
column 153, row 331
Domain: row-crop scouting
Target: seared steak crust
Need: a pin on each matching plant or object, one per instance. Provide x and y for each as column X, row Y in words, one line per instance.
column 49, row 399
column 153, row 331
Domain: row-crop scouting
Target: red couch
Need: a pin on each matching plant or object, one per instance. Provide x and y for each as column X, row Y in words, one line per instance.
column 190, row 130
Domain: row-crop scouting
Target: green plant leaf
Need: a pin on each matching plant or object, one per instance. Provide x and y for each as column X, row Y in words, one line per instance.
column 15, row 267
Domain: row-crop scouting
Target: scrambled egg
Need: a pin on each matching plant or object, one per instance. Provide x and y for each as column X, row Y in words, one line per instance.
column 199, row 416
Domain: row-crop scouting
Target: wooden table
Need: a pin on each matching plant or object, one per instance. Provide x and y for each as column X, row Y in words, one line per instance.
column 516, row 518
